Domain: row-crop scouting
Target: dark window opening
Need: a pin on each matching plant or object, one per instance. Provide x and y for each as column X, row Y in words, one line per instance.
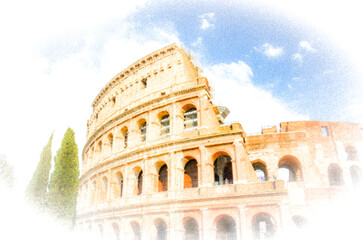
column 226, row 229
column 191, row 174
column 163, row 179
column 191, row 230
column 263, row 227
column 223, row 170
column 190, row 119
column 139, row 183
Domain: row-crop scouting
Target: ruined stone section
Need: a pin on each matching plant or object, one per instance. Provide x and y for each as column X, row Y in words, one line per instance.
column 160, row 164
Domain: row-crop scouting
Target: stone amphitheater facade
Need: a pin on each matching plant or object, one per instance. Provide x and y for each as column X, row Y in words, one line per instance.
column 160, row 163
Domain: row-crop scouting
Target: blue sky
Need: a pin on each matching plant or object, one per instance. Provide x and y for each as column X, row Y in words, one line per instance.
column 267, row 62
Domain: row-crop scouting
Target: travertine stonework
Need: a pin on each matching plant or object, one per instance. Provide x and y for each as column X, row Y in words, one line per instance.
column 159, row 162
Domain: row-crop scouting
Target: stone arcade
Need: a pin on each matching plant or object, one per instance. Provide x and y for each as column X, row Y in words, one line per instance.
column 160, row 163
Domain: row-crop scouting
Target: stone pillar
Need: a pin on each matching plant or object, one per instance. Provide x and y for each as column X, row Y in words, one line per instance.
column 130, row 181
column 243, row 223
column 206, row 172
column 153, row 127
column 109, row 187
column 175, row 226
column 175, row 174
column 284, row 221
column 207, row 230
column 176, row 120
column 244, row 170
column 134, row 134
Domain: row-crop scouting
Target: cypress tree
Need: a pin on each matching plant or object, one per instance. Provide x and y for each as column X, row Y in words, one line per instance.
column 63, row 186
column 36, row 191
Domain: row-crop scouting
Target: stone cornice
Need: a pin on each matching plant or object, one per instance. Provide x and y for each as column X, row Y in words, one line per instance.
column 143, row 105
column 132, row 68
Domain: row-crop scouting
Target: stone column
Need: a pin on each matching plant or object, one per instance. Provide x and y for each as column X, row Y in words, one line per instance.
column 207, row 230
column 109, row 187
column 284, row 220
column 206, row 172
column 243, row 233
column 244, row 170
column 176, row 120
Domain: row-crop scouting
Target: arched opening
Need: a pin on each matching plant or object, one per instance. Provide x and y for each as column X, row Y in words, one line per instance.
column 289, row 170
column 226, row 228
column 190, row 119
column 110, row 141
column 191, row 230
column 263, row 226
column 160, row 229
column 143, row 127
column 125, row 134
column 139, row 183
column 163, row 179
column 116, row 231
column 165, row 125
column 335, row 175
column 355, row 174
column 260, row 171
column 299, row 221
column 120, row 184
column 104, row 189
column 99, row 147
column 100, row 231
column 93, row 192
column 136, row 230
column 191, row 174
column 352, row 154
column 223, row 170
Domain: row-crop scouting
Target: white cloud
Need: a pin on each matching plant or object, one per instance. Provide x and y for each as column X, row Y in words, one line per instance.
column 270, row 51
column 198, row 42
column 305, row 45
column 250, row 105
column 61, row 72
column 207, row 18
column 298, row 58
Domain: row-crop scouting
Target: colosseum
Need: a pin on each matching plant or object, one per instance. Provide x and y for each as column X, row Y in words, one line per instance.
column 160, row 162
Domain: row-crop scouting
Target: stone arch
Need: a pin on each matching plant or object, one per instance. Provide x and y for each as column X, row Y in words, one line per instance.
column 355, row 175
column 162, row 171
column 136, row 230
column 138, row 174
column 164, row 120
column 225, row 227
column 110, row 141
column 190, row 116
column 119, row 187
column 263, row 226
column 104, row 188
column 299, row 221
column 142, row 124
column 191, row 173
column 335, row 175
column 191, row 229
column 100, row 231
column 99, row 147
column 91, row 156
column 223, row 173
column 352, row 153
column 290, row 169
column 125, row 136
column 116, row 231
column 161, row 229
column 260, row 169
